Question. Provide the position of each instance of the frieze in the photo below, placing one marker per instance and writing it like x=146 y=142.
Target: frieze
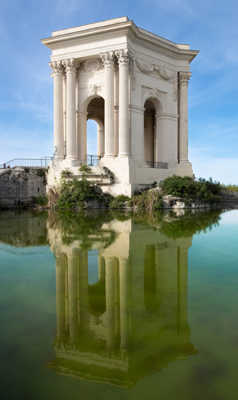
x=92 y=65
x=153 y=69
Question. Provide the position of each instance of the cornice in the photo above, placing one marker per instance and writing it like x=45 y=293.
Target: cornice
x=129 y=27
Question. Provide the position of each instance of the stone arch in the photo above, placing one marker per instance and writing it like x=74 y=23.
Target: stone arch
x=152 y=109
x=93 y=109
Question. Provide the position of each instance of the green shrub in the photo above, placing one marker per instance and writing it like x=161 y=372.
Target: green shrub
x=74 y=193
x=190 y=189
x=230 y=188
x=148 y=201
x=40 y=172
x=85 y=169
x=66 y=174
x=119 y=202
x=40 y=200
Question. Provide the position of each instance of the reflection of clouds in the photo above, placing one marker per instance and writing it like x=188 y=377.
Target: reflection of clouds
x=230 y=217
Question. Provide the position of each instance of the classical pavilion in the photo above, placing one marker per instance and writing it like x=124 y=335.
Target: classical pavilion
x=134 y=84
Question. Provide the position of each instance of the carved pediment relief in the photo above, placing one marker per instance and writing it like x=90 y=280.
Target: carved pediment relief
x=153 y=69
x=94 y=89
x=92 y=65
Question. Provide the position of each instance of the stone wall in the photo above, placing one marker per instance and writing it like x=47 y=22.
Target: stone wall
x=19 y=185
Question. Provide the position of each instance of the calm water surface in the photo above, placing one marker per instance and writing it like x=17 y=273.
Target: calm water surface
x=110 y=307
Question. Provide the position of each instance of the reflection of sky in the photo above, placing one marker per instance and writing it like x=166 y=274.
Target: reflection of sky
x=28 y=326
x=92 y=266
x=230 y=217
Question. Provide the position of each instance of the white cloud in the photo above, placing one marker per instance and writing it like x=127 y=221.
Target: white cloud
x=206 y=165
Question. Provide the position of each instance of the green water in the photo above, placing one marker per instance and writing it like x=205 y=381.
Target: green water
x=114 y=307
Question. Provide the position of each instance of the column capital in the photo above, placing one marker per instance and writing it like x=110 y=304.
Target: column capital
x=123 y=56
x=184 y=77
x=57 y=67
x=108 y=59
x=70 y=65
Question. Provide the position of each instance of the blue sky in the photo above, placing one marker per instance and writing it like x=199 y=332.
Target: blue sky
x=210 y=26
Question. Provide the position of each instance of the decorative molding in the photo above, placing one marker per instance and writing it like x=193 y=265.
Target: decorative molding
x=184 y=77
x=123 y=56
x=108 y=59
x=153 y=69
x=152 y=92
x=57 y=67
x=136 y=109
x=94 y=89
x=167 y=116
x=175 y=88
x=70 y=65
x=92 y=65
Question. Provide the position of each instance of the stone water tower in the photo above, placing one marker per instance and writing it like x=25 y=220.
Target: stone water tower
x=134 y=84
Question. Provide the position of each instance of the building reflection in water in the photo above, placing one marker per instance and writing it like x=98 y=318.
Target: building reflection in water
x=132 y=321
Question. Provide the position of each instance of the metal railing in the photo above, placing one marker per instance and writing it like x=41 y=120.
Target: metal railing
x=92 y=160
x=157 y=164
x=27 y=163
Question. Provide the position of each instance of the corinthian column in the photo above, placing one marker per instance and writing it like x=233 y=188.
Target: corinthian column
x=110 y=301
x=71 y=143
x=57 y=74
x=124 y=138
x=100 y=138
x=183 y=115
x=60 y=296
x=72 y=287
x=108 y=61
x=124 y=285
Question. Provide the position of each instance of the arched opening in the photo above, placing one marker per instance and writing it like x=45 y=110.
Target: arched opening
x=96 y=283
x=149 y=132
x=92 y=130
x=95 y=130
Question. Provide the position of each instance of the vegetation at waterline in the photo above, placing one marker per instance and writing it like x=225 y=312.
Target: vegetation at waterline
x=83 y=226
x=40 y=200
x=189 y=224
x=120 y=202
x=231 y=188
x=191 y=189
x=147 y=201
x=75 y=195
x=178 y=226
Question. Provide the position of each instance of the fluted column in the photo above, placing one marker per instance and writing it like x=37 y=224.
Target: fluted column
x=108 y=60
x=101 y=268
x=156 y=139
x=110 y=300
x=183 y=288
x=71 y=143
x=83 y=291
x=57 y=74
x=183 y=115
x=60 y=296
x=72 y=285
x=82 y=137
x=124 y=298
x=124 y=136
x=100 y=137
x=116 y=109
